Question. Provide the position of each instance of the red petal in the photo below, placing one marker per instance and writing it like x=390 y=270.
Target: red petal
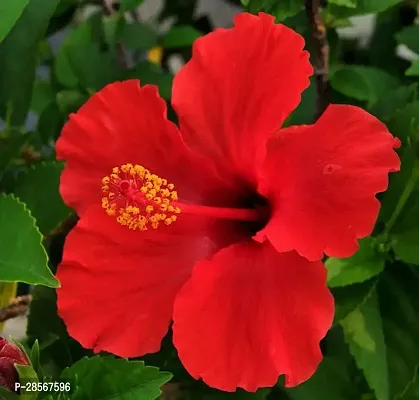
x=118 y=286
x=238 y=88
x=251 y=314
x=322 y=180
x=122 y=123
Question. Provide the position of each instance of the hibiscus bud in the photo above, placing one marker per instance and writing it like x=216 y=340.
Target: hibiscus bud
x=10 y=354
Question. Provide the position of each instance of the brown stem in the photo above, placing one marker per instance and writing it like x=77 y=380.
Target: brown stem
x=122 y=56
x=17 y=306
x=320 y=54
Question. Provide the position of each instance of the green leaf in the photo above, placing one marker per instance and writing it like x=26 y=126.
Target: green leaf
x=363 y=331
x=119 y=378
x=362 y=7
x=413 y=70
x=42 y=96
x=10 y=147
x=362 y=83
x=34 y=356
x=38 y=184
x=393 y=101
x=26 y=375
x=334 y=379
x=405 y=125
x=344 y=3
x=10 y=11
x=409 y=36
x=365 y=264
x=22 y=256
x=80 y=54
x=128 y=5
x=6 y=394
x=180 y=36
x=147 y=72
x=399 y=305
x=50 y=123
x=280 y=9
x=349 y=298
x=138 y=36
x=18 y=53
x=406 y=245
x=69 y=101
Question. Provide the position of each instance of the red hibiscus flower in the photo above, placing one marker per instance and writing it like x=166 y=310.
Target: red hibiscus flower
x=219 y=225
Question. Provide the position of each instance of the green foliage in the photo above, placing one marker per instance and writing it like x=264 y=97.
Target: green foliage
x=22 y=256
x=38 y=184
x=9 y=14
x=363 y=330
x=409 y=37
x=362 y=83
x=18 y=60
x=180 y=36
x=119 y=378
x=280 y=9
x=364 y=265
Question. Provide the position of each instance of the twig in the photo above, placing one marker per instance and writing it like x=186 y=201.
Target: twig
x=122 y=55
x=17 y=306
x=321 y=54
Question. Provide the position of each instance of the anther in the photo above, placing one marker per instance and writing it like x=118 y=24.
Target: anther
x=138 y=199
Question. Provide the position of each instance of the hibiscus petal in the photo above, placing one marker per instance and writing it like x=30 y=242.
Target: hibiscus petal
x=122 y=123
x=238 y=88
x=251 y=314
x=118 y=285
x=322 y=180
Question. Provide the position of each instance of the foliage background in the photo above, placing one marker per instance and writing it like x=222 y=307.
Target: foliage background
x=372 y=352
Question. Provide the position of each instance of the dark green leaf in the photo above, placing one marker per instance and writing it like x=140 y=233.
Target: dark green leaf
x=50 y=123
x=10 y=11
x=119 y=379
x=127 y=5
x=365 y=264
x=18 y=54
x=10 y=147
x=22 y=256
x=413 y=70
x=362 y=83
x=406 y=245
x=180 y=36
x=147 y=72
x=38 y=184
x=348 y=298
x=42 y=96
x=69 y=101
x=362 y=7
x=334 y=378
x=399 y=305
x=138 y=36
x=280 y=9
x=409 y=36
x=393 y=101
x=6 y=394
x=363 y=330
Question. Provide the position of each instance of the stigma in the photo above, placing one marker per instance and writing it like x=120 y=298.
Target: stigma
x=138 y=199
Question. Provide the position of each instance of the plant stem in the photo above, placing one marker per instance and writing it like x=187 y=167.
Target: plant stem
x=320 y=54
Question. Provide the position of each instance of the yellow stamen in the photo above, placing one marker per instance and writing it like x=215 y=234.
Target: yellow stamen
x=138 y=199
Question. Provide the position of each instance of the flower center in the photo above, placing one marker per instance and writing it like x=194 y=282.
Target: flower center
x=142 y=200
x=139 y=199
